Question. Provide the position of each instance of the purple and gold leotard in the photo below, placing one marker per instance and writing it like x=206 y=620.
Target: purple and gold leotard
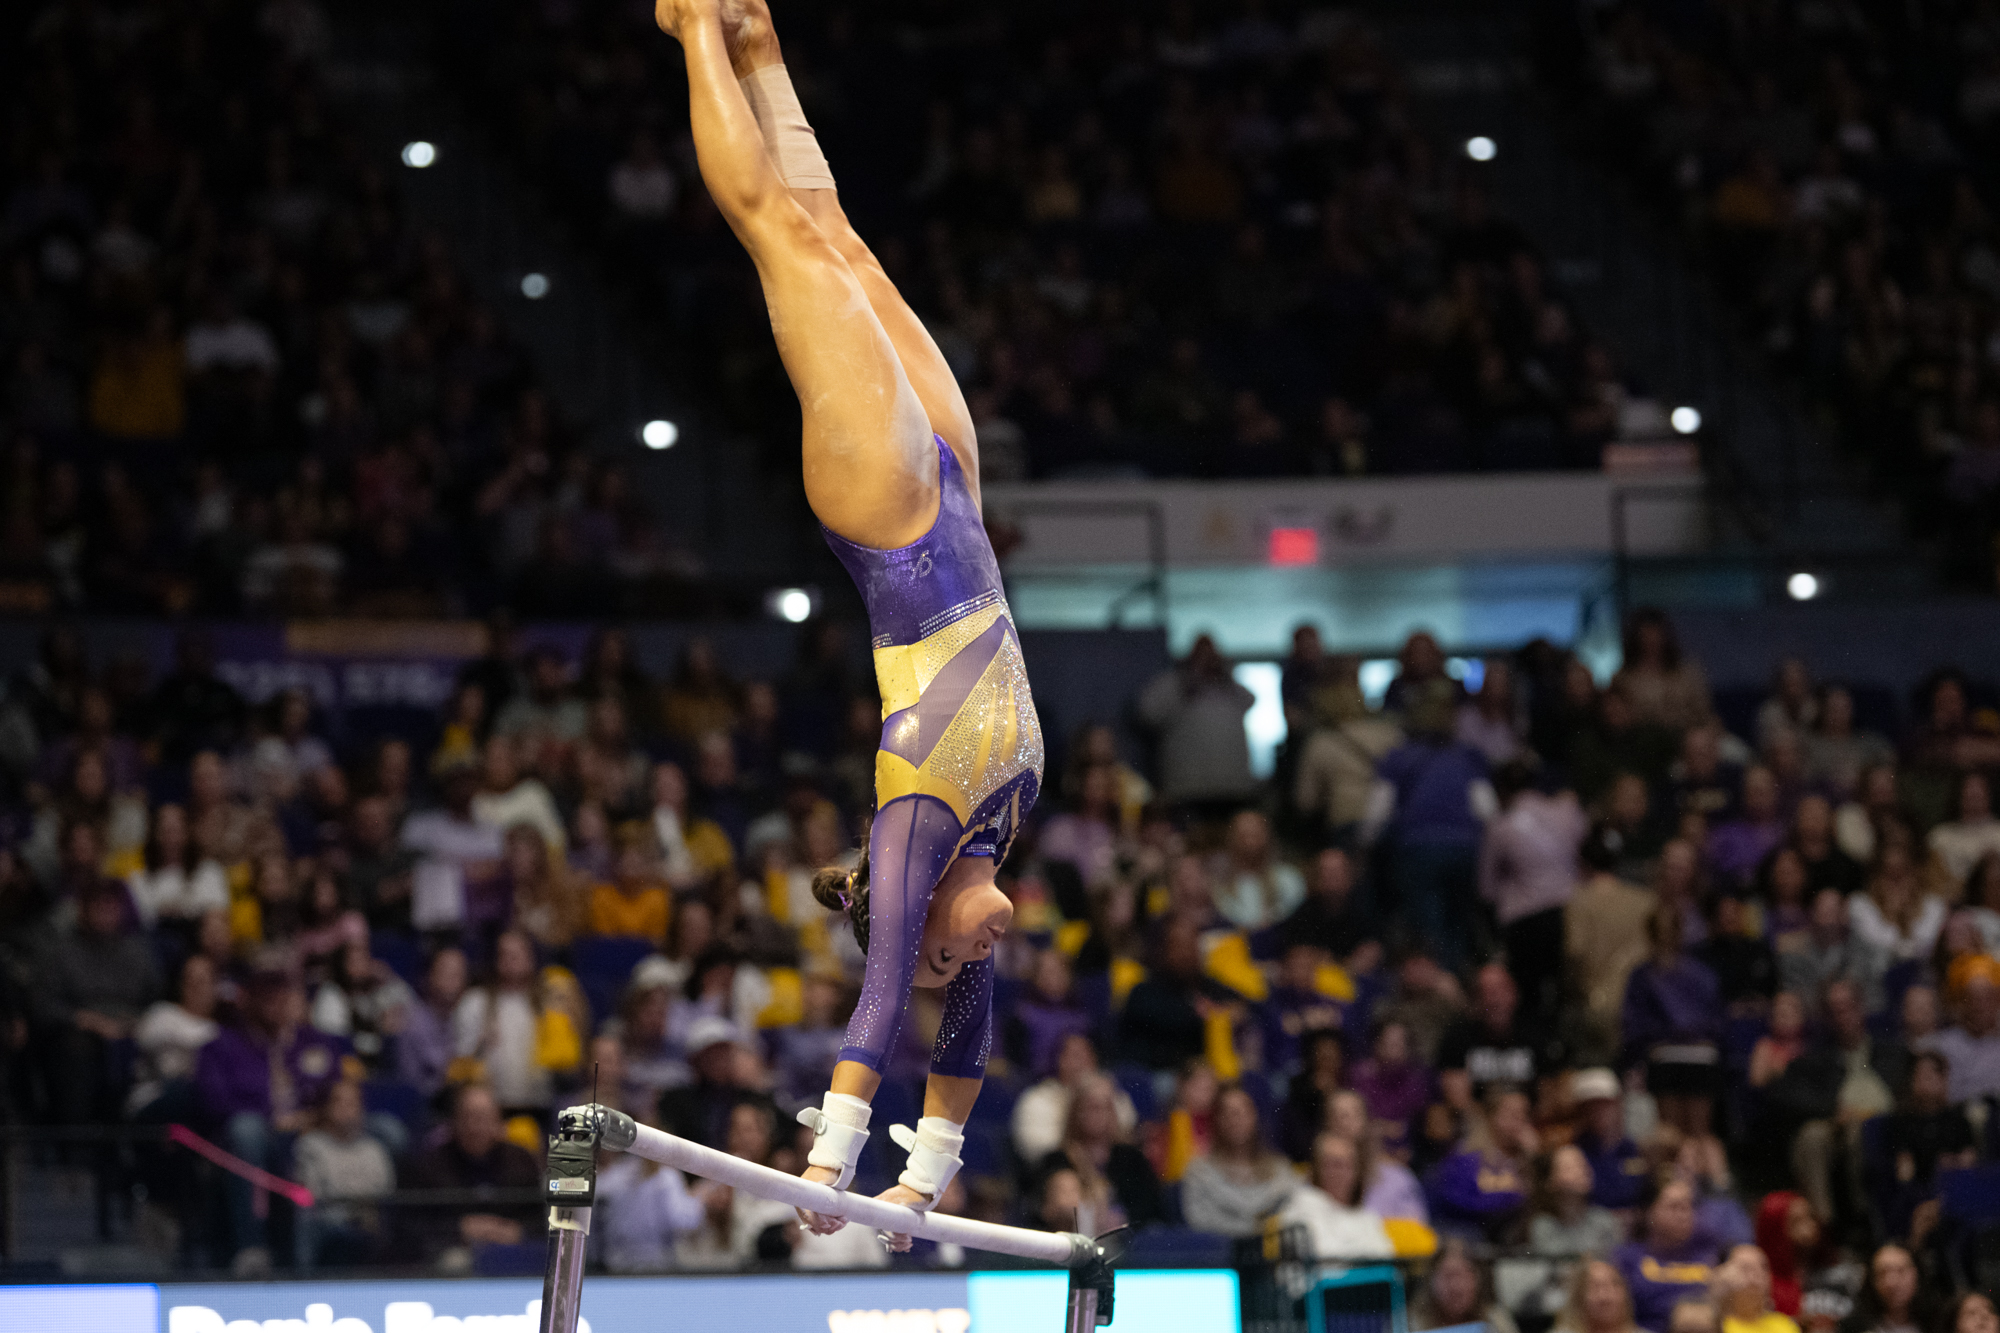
x=959 y=763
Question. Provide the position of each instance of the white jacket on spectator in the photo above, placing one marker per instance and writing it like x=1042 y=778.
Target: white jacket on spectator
x=1204 y=751
x=1338 y=1232
x=1041 y=1112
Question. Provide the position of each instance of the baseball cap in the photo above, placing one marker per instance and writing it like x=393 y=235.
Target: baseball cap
x=711 y=1031
x=1592 y=1085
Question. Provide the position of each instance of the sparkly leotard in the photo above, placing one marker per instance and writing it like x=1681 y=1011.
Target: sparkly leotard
x=960 y=760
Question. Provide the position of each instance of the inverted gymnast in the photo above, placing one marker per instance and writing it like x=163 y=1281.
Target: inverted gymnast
x=892 y=473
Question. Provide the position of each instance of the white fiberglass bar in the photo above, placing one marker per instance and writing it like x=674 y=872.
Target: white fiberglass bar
x=1061 y=1248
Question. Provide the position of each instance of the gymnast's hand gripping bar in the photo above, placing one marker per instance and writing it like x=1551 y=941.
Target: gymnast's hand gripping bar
x=581 y=1130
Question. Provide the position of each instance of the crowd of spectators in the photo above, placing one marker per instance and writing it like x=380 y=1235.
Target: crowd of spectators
x=1505 y=960
x=1188 y=239
x=234 y=377
x=1828 y=159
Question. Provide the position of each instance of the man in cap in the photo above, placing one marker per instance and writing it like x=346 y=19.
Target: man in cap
x=258 y=1083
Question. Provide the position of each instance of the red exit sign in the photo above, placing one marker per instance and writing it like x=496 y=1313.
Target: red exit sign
x=1294 y=546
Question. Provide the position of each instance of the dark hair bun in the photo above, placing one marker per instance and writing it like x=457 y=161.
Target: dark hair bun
x=840 y=890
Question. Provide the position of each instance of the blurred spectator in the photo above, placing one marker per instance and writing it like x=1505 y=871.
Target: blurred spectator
x=1973 y=1046
x=1433 y=798
x=456 y=878
x=1197 y=709
x=1896 y=918
x=1972 y=832
x=1458 y=1290
x=1564 y=1221
x=1672 y=1023
x=1229 y=1189
x=1604 y=935
x=734 y=1234
x=169 y=1038
x=428 y=1042
x=1317 y=1079
x=1498 y=1044
x=1046 y=1016
x=647 y=1208
x=1116 y=1182
x=1166 y=1016
x=1926 y=1134
x=1618 y=1169
x=1599 y=1301
x=1666 y=1262
x=1837 y=753
x=636 y=903
x=1826 y=1093
x=1480 y=1191
x=1393 y=1083
x=1791 y=706
x=1892 y=1296
x=178 y=883
x=1490 y=722
x=1331 y=1207
x=547 y=902
x=1743 y=1294
x=1828 y=951
x=259 y=1082
x=1389 y=1189
x=518 y=1031
x=1041 y=1112
x=92 y=985
x=476 y=1156
x=1527 y=871
x=1255 y=888
x=1331 y=918
x=1665 y=688
x=725 y=1075
x=1736 y=847
x=507 y=797
x=346 y=1170
x=1336 y=769
x=363 y=1000
x=1793 y=1240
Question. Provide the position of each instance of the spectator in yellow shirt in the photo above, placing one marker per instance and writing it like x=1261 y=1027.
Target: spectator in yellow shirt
x=1743 y=1293
x=138 y=390
x=636 y=902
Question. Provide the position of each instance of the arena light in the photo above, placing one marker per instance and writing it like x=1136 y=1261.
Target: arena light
x=535 y=286
x=1481 y=149
x=419 y=153
x=792 y=605
x=659 y=434
x=1686 y=420
x=1802 y=586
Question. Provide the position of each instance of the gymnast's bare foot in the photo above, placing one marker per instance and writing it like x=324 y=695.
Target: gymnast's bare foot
x=747 y=33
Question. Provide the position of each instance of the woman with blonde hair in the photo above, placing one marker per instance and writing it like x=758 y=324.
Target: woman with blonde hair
x=1599 y=1301
x=1896 y=916
x=1116 y=1180
x=548 y=903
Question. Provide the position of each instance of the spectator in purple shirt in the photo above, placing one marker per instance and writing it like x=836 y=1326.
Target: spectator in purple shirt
x=1393 y=1082
x=1672 y=1023
x=258 y=1082
x=1436 y=794
x=1046 y=1015
x=1738 y=846
x=426 y=1046
x=1480 y=1192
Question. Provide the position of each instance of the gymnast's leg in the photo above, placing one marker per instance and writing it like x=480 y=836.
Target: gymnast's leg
x=870 y=469
x=795 y=150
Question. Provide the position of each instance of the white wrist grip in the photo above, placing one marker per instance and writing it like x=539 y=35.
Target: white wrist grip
x=840 y=1131
x=935 y=1146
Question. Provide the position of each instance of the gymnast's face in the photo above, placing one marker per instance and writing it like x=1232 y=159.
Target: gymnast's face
x=968 y=916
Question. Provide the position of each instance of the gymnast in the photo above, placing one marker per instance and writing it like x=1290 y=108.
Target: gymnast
x=892 y=474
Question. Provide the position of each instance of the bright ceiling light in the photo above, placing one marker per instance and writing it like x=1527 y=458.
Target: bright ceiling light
x=659 y=434
x=419 y=153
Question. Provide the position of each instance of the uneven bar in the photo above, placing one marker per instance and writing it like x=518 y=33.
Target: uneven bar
x=621 y=1133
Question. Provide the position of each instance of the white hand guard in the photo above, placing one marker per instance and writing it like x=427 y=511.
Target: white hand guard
x=935 y=1147
x=840 y=1131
